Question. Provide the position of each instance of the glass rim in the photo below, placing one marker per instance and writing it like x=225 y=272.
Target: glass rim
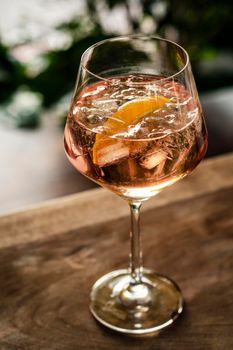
x=135 y=36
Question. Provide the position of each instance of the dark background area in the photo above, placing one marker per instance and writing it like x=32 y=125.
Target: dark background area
x=39 y=58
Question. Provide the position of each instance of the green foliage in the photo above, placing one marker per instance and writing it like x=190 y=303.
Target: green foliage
x=12 y=73
x=203 y=27
x=59 y=77
x=202 y=24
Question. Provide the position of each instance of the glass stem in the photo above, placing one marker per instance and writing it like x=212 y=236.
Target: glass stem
x=136 y=254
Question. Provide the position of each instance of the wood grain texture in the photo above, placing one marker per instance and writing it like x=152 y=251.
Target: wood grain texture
x=48 y=265
x=98 y=205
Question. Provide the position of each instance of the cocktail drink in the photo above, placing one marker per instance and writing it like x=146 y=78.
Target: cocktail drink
x=131 y=141
x=135 y=126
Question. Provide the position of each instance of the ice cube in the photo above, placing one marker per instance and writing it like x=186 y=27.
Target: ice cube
x=181 y=158
x=159 y=169
x=152 y=159
x=112 y=153
x=106 y=104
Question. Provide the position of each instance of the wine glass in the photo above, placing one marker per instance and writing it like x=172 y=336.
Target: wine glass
x=135 y=126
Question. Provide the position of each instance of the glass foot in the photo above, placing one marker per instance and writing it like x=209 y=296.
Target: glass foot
x=135 y=309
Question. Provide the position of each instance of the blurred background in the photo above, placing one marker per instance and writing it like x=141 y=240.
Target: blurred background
x=41 y=42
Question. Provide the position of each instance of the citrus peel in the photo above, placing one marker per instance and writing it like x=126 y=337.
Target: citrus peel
x=125 y=116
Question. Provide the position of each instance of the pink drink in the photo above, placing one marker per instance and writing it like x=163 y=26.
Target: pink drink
x=154 y=151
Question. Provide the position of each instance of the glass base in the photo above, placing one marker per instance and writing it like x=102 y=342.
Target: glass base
x=135 y=309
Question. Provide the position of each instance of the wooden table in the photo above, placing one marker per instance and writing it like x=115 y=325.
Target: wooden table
x=51 y=255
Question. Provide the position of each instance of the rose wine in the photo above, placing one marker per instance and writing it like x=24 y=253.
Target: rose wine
x=135 y=134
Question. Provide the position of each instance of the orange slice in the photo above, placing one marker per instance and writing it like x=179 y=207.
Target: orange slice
x=107 y=150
